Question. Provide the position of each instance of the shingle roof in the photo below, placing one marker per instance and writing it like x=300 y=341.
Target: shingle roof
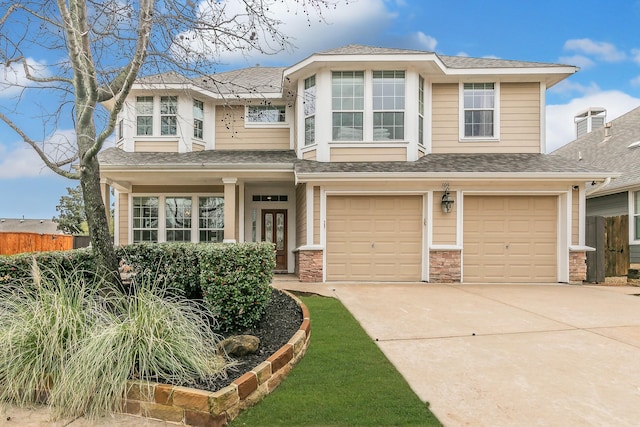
x=463 y=62
x=459 y=163
x=357 y=49
x=40 y=226
x=208 y=158
x=245 y=80
x=432 y=163
x=611 y=153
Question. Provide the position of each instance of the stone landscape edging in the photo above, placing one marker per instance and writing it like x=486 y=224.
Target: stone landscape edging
x=199 y=408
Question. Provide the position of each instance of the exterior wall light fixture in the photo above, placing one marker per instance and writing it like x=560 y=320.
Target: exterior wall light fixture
x=447 y=200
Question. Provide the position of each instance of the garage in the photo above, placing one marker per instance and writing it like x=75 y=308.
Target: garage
x=374 y=238
x=510 y=239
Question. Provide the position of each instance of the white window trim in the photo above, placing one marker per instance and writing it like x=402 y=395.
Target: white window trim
x=496 y=114
x=162 y=230
x=632 y=217
x=267 y=125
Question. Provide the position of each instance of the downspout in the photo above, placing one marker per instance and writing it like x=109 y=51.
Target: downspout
x=599 y=187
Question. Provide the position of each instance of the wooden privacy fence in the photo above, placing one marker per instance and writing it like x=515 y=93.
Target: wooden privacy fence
x=610 y=238
x=15 y=243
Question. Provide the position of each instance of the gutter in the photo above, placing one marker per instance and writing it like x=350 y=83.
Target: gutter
x=599 y=187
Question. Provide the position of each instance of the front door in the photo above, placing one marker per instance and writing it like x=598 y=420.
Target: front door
x=274 y=230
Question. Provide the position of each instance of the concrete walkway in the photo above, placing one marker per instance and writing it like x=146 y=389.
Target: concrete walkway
x=508 y=355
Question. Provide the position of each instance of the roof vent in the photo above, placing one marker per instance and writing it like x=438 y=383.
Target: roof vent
x=634 y=144
x=589 y=120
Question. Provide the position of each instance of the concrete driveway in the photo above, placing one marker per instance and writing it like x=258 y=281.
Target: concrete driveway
x=509 y=355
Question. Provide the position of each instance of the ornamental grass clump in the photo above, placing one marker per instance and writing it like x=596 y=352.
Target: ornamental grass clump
x=64 y=336
x=39 y=322
x=153 y=336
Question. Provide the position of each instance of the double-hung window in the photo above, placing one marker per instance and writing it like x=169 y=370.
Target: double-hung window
x=177 y=211
x=198 y=119
x=144 y=115
x=266 y=114
x=310 y=111
x=211 y=218
x=479 y=112
x=145 y=219
x=168 y=115
x=347 y=94
x=388 y=105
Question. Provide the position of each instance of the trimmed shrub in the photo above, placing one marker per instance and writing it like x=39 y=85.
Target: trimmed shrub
x=235 y=282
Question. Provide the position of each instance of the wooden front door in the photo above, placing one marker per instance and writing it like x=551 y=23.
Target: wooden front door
x=274 y=230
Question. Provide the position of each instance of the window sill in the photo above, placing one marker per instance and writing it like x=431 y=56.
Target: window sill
x=279 y=125
x=472 y=140
x=386 y=143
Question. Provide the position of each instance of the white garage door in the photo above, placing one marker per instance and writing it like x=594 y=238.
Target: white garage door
x=510 y=239
x=374 y=238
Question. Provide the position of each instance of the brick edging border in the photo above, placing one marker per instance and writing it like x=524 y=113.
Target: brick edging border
x=198 y=408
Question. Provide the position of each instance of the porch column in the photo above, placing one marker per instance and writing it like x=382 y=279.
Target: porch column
x=229 y=209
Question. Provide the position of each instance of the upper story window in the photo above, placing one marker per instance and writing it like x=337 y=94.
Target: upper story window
x=310 y=110
x=198 y=119
x=168 y=115
x=266 y=114
x=388 y=105
x=120 y=133
x=144 y=115
x=480 y=110
x=347 y=89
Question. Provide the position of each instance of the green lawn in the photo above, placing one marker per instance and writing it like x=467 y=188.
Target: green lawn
x=343 y=380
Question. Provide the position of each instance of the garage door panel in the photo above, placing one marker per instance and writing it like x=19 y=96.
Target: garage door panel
x=374 y=238
x=510 y=239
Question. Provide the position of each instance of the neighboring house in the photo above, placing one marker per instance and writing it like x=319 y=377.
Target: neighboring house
x=611 y=146
x=39 y=226
x=359 y=164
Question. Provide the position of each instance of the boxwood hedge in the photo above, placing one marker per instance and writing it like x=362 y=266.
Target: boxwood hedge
x=232 y=279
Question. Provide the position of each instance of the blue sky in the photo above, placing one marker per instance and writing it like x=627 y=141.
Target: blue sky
x=602 y=38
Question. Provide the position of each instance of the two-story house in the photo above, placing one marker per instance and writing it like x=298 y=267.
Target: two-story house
x=359 y=164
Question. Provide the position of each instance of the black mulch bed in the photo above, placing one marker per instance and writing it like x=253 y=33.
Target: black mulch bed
x=281 y=321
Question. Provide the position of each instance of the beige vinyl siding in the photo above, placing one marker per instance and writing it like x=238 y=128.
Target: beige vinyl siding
x=520 y=117
x=444 y=224
x=368 y=154
x=519 y=121
x=197 y=146
x=316 y=215
x=231 y=133
x=123 y=218
x=156 y=146
x=445 y=130
x=301 y=215
x=309 y=155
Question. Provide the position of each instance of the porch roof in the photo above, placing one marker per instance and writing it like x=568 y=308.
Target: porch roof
x=518 y=166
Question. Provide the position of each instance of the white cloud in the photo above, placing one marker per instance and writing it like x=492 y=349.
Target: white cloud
x=13 y=78
x=636 y=55
x=19 y=160
x=567 y=87
x=426 y=42
x=635 y=82
x=577 y=60
x=601 y=50
x=560 y=124
x=353 y=22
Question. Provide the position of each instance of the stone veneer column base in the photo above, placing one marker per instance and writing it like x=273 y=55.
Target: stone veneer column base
x=309 y=265
x=577 y=267
x=444 y=266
